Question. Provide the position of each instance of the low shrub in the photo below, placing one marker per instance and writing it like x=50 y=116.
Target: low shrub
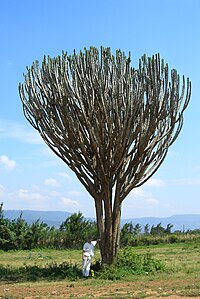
x=127 y=262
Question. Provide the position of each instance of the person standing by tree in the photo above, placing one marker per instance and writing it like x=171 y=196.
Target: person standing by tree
x=87 y=254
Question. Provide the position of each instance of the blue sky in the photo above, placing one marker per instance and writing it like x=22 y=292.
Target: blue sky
x=31 y=176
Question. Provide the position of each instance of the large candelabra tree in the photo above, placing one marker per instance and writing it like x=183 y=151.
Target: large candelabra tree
x=110 y=123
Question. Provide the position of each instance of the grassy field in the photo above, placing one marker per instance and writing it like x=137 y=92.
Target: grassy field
x=181 y=278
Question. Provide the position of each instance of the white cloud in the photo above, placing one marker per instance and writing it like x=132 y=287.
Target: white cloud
x=69 y=202
x=155 y=183
x=139 y=196
x=7 y=163
x=29 y=195
x=38 y=197
x=15 y=130
x=140 y=203
x=51 y=182
x=162 y=183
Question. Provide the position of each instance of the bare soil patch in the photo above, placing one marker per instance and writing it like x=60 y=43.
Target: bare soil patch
x=172 y=289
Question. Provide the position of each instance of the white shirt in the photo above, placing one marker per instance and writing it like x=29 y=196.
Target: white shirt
x=88 y=248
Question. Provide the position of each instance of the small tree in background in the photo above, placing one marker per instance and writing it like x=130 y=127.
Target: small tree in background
x=110 y=123
x=77 y=230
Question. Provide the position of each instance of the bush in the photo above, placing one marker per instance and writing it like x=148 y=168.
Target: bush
x=173 y=239
x=127 y=262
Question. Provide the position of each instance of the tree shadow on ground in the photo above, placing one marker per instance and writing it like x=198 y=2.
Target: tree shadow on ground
x=52 y=271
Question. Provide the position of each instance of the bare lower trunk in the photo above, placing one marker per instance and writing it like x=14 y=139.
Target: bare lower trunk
x=108 y=223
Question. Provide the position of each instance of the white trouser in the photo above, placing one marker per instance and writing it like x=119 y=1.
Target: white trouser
x=86 y=266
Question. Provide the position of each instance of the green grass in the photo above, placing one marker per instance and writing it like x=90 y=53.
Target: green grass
x=181 y=276
x=179 y=257
x=182 y=258
x=39 y=257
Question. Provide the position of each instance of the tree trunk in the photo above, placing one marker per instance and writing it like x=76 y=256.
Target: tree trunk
x=108 y=223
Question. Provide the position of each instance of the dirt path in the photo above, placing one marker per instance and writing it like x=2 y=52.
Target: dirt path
x=176 y=289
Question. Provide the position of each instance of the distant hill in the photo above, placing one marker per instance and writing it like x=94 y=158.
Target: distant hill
x=52 y=218
x=55 y=218
x=180 y=222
